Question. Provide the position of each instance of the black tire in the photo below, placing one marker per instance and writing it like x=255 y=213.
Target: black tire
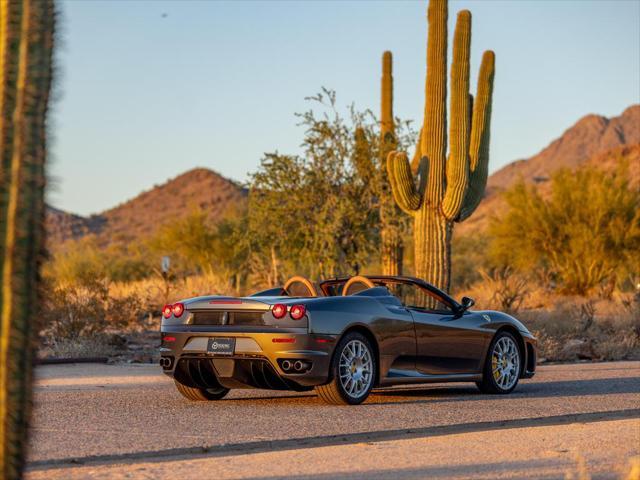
x=200 y=394
x=334 y=392
x=489 y=384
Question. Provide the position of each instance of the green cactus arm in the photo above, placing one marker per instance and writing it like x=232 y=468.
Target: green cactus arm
x=457 y=168
x=402 y=183
x=434 y=138
x=480 y=136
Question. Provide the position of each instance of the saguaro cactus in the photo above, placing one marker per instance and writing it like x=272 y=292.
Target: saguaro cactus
x=448 y=189
x=26 y=42
x=391 y=231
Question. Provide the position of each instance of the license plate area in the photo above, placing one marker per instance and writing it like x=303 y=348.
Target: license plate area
x=221 y=346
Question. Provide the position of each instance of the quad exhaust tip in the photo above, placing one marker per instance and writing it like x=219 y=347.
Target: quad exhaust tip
x=165 y=362
x=286 y=365
x=294 y=366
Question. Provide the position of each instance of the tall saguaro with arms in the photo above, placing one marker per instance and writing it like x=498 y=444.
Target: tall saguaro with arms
x=26 y=45
x=450 y=186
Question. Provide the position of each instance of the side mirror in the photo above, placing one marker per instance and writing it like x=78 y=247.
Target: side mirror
x=467 y=303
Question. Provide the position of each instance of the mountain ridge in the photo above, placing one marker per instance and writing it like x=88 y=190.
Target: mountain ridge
x=137 y=218
x=591 y=138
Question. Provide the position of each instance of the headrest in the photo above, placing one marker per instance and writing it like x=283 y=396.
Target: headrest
x=356 y=284
x=300 y=287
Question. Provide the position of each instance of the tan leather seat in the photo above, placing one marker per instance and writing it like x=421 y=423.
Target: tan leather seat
x=356 y=284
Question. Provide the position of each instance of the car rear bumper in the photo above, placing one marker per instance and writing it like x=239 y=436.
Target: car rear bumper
x=260 y=359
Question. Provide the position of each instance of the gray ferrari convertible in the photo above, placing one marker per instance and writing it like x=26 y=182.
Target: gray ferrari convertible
x=342 y=337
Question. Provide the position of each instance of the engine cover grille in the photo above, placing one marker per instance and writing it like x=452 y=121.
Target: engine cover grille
x=219 y=317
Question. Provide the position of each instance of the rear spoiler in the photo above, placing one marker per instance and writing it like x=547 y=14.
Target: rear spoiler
x=226 y=303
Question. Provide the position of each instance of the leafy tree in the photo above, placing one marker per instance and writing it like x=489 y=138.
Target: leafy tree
x=316 y=213
x=584 y=232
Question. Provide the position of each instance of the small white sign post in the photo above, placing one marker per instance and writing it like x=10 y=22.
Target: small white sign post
x=165 y=263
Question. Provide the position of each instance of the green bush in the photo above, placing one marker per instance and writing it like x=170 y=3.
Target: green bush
x=584 y=233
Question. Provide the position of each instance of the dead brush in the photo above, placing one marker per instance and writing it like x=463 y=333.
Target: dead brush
x=509 y=289
x=72 y=311
x=585 y=316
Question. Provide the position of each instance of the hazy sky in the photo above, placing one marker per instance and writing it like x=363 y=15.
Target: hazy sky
x=148 y=90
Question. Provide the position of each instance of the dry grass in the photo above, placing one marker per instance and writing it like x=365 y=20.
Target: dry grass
x=573 y=328
x=96 y=346
x=156 y=292
x=98 y=319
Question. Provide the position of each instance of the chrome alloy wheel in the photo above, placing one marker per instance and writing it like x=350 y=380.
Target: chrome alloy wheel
x=505 y=363
x=355 y=368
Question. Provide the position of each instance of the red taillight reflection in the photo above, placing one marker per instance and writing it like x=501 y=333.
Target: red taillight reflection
x=166 y=311
x=283 y=340
x=279 y=310
x=178 y=309
x=297 y=312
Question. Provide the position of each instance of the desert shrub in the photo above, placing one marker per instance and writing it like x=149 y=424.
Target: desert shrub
x=509 y=289
x=83 y=260
x=97 y=345
x=71 y=311
x=584 y=233
x=571 y=328
x=499 y=289
x=197 y=245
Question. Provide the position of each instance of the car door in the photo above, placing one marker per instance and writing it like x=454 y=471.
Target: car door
x=446 y=342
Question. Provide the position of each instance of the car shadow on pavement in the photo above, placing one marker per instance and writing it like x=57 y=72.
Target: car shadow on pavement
x=565 y=388
x=434 y=393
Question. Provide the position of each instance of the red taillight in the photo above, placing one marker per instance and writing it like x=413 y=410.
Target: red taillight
x=283 y=340
x=166 y=311
x=279 y=310
x=297 y=312
x=169 y=339
x=178 y=309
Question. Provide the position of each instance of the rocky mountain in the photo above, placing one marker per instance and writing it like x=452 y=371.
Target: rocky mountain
x=592 y=137
x=199 y=188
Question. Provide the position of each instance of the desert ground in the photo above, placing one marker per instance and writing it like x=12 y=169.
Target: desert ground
x=127 y=421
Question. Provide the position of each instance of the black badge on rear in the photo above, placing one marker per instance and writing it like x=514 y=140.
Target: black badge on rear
x=221 y=346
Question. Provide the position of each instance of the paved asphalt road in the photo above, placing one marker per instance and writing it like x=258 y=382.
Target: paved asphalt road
x=89 y=420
